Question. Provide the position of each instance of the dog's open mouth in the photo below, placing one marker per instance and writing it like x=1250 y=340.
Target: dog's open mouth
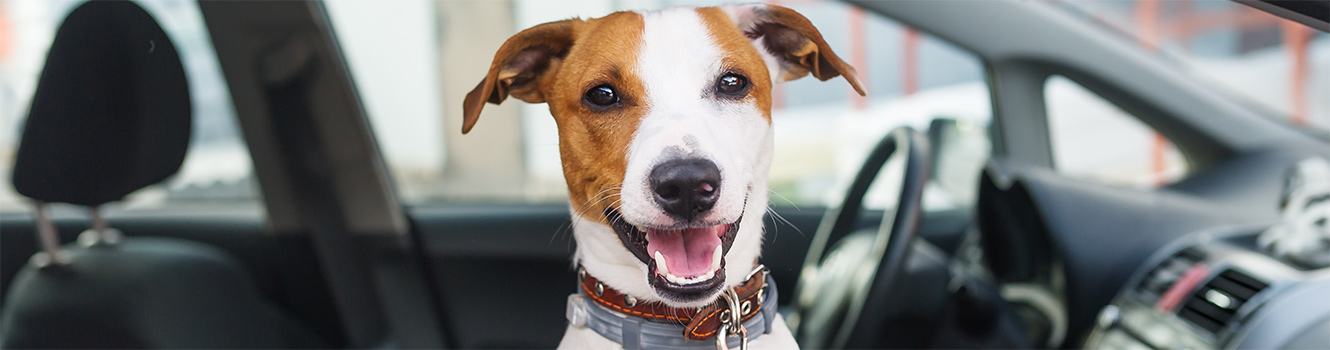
x=683 y=264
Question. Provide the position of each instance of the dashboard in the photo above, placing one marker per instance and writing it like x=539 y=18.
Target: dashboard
x=1218 y=289
x=1225 y=259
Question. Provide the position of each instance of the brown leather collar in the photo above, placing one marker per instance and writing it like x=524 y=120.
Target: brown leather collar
x=700 y=323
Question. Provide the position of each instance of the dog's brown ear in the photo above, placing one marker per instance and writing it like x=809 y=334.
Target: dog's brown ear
x=519 y=66
x=791 y=40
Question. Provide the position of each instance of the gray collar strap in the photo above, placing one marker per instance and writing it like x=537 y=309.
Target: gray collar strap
x=639 y=333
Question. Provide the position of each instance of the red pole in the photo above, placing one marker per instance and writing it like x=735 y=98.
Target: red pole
x=6 y=35
x=1185 y=10
x=858 y=56
x=1296 y=40
x=1147 y=20
x=910 y=63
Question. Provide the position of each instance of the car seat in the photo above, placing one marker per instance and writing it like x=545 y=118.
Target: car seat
x=111 y=115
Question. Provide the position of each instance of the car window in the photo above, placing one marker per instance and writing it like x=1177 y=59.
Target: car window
x=1094 y=139
x=413 y=87
x=217 y=169
x=1276 y=66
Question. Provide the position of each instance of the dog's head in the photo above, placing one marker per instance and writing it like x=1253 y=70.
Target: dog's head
x=665 y=133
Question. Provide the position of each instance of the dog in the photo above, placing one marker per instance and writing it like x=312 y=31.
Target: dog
x=665 y=136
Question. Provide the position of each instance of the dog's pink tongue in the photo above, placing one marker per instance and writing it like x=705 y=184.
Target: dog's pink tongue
x=687 y=252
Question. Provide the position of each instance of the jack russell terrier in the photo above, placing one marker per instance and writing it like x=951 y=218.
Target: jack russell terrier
x=664 y=122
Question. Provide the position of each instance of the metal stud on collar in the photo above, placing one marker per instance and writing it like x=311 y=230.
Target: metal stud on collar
x=600 y=289
x=629 y=301
x=581 y=274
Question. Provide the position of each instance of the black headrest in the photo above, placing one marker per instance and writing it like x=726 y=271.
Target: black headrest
x=111 y=113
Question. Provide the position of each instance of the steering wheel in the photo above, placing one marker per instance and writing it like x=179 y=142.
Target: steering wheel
x=843 y=293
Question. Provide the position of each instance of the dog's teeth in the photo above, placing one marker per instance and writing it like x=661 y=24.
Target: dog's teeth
x=660 y=264
x=715 y=259
x=640 y=228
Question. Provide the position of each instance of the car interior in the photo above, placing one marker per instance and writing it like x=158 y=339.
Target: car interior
x=334 y=259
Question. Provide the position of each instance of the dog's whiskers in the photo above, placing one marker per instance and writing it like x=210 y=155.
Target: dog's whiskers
x=782 y=197
x=597 y=198
x=777 y=216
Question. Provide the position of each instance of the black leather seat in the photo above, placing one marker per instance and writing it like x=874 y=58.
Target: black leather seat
x=111 y=115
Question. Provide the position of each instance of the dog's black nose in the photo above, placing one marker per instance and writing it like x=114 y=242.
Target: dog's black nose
x=686 y=187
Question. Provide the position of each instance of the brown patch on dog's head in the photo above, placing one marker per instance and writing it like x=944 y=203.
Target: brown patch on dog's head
x=743 y=58
x=575 y=56
x=594 y=141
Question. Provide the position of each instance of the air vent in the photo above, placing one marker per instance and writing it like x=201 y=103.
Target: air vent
x=1212 y=306
x=1163 y=276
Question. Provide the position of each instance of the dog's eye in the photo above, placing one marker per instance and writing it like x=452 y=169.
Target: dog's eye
x=731 y=84
x=601 y=95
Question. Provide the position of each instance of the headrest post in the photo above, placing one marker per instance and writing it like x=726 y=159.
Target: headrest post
x=98 y=222
x=49 y=239
x=101 y=234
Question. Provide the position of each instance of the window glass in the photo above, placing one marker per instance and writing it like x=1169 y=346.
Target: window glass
x=217 y=169
x=413 y=87
x=1278 y=66
x=1094 y=139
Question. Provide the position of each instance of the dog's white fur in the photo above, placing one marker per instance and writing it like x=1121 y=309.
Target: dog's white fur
x=678 y=58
